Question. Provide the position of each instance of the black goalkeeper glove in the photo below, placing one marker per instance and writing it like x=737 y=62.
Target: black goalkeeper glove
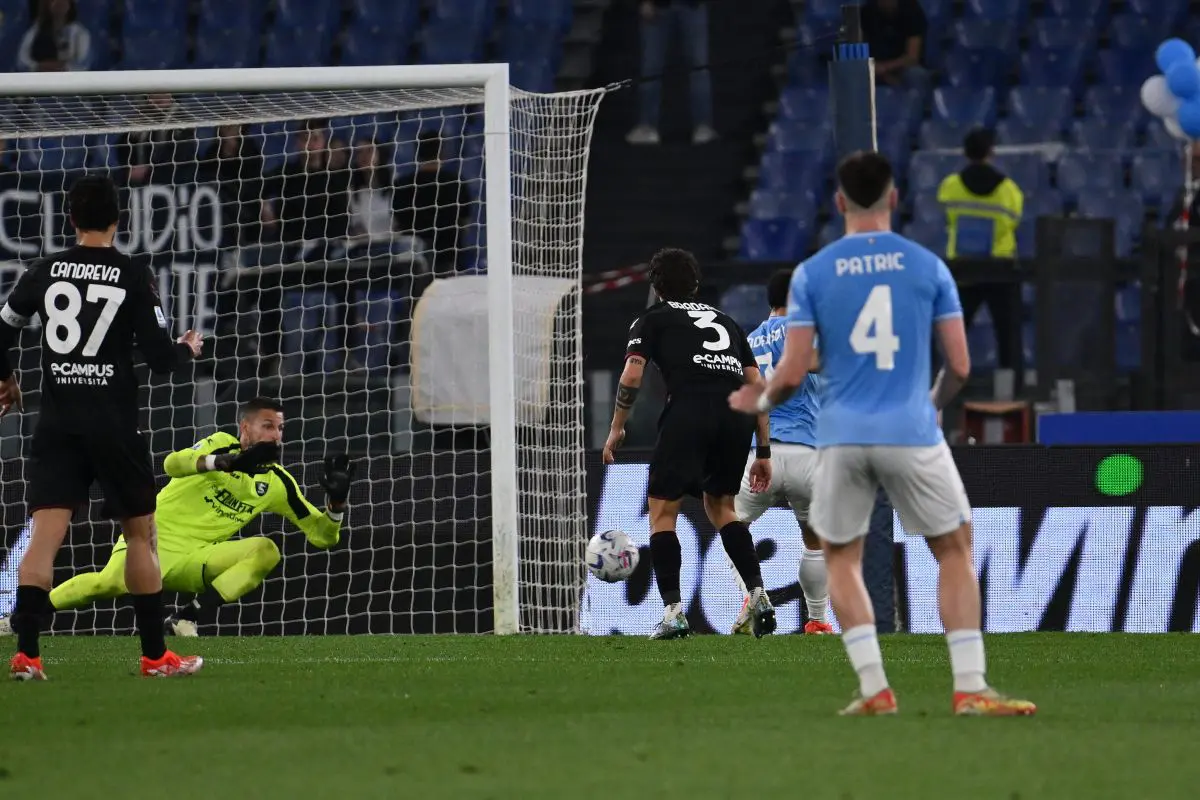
x=339 y=473
x=252 y=461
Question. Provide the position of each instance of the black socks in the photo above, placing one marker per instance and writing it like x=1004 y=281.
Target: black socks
x=201 y=605
x=33 y=605
x=147 y=609
x=739 y=544
x=667 y=557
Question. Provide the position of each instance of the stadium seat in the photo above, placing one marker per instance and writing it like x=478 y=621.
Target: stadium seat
x=1003 y=10
x=308 y=13
x=793 y=172
x=530 y=42
x=805 y=69
x=1052 y=33
x=1041 y=104
x=548 y=13
x=927 y=170
x=1125 y=67
x=931 y=235
x=150 y=49
x=1158 y=137
x=160 y=15
x=234 y=48
x=986 y=34
x=1128 y=302
x=927 y=210
x=1043 y=203
x=52 y=153
x=1056 y=67
x=380 y=312
x=1088 y=10
x=222 y=15
x=1119 y=103
x=1088 y=173
x=1120 y=205
x=1137 y=32
x=471 y=14
x=535 y=74
x=746 y=303
x=830 y=232
x=1028 y=171
x=297 y=47
x=1019 y=131
x=787 y=136
x=941 y=134
x=446 y=44
x=1171 y=11
x=1156 y=173
x=1100 y=134
x=896 y=145
x=364 y=46
x=96 y=16
x=981 y=342
x=807 y=103
x=896 y=108
x=768 y=204
x=965 y=106
x=972 y=68
x=824 y=11
x=775 y=240
x=1129 y=346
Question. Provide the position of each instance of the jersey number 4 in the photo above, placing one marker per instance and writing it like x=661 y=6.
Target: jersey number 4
x=708 y=319
x=873 y=332
x=63 y=330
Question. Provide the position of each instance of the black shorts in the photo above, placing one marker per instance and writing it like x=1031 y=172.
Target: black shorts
x=63 y=464
x=701 y=448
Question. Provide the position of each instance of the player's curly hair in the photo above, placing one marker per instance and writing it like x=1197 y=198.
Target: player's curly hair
x=674 y=274
x=93 y=203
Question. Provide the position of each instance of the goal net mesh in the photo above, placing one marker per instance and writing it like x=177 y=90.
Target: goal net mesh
x=299 y=231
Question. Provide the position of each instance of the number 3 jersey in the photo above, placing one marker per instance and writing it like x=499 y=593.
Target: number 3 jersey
x=873 y=299
x=696 y=347
x=95 y=307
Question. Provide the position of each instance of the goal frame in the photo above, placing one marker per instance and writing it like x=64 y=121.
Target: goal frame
x=494 y=80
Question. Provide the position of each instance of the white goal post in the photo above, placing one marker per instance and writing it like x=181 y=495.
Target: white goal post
x=513 y=464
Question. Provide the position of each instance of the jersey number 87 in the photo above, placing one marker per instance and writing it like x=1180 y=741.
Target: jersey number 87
x=872 y=333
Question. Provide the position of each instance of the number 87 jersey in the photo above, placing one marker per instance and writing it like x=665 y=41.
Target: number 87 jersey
x=874 y=299
x=95 y=307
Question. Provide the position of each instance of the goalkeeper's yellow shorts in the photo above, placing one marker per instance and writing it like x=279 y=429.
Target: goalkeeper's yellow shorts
x=183 y=564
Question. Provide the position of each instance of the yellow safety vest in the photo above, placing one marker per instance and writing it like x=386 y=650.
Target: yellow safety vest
x=981 y=225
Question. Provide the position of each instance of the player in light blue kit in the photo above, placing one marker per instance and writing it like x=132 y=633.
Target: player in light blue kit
x=793 y=454
x=873 y=298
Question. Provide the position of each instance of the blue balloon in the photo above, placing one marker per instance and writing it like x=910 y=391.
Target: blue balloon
x=1183 y=79
x=1173 y=51
x=1189 y=117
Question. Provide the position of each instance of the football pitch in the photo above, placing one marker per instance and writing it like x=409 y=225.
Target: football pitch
x=578 y=717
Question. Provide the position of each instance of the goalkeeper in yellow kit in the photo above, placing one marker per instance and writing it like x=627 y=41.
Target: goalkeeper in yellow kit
x=217 y=487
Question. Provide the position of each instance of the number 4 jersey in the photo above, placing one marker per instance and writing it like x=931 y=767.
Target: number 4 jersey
x=873 y=299
x=95 y=306
x=696 y=347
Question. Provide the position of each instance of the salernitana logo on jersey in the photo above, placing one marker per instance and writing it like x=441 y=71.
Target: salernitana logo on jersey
x=67 y=373
x=260 y=487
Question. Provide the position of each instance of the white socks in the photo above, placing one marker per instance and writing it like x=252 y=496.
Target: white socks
x=967 y=660
x=862 y=646
x=672 y=611
x=814 y=582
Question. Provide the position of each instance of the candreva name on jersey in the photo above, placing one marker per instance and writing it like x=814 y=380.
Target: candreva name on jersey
x=85 y=272
x=869 y=264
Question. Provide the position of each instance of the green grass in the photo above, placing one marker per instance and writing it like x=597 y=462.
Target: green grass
x=576 y=717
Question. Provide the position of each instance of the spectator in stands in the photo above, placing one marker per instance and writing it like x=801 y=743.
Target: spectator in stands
x=372 y=218
x=153 y=153
x=659 y=18
x=895 y=32
x=234 y=162
x=56 y=42
x=983 y=209
x=1190 y=341
x=433 y=204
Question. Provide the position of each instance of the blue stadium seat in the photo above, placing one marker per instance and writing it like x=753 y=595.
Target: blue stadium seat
x=794 y=172
x=472 y=15
x=966 y=106
x=297 y=47
x=767 y=204
x=896 y=145
x=824 y=11
x=941 y=134
x=1129 y=346
x=746 y=303
x=1057 y=67
x=14 y=22
x=1128 y=303
x=807 y=103
x=927 y=210
x=1173 y=11
x=937 y=12
x=1041 y=104
x=222 y=15
x=790 y=136
x=308 y=13
x=1088 y=173
x=95 y=15
x=1135 y=32
x=386 y=14
x=1028 y=170
x=1043 y=203
x=806 y=69
x=364 y=46
x=1117 y=204
x=775 y=240
x=1125 y=67
x=160 y=15
x=986 y=34
x=530 y=42
x=1086 y=10
x=1093 y=133
x=1020 y=131
x=926 y=170
x=1002 y=10
x=533 y=74
x=52 y=153
x=1156 y=173
x=970 y=68
x=1119 y=103
x=981 y=341
x=931 y=235
x=151 y=49
x=1157 y=136
x=234 y=48
x=549 y=13
x=445 y=43
x=896 y=108
x=1053 y=32
x=830 y=232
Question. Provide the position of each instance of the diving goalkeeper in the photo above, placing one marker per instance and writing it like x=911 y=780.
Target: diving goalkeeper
x=217 y=487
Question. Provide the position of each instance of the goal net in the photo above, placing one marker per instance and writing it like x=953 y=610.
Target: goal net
x=395 y=254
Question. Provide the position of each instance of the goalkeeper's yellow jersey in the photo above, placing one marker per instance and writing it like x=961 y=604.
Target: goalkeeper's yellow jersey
x=197 y=509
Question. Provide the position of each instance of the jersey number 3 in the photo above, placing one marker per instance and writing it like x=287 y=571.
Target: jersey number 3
x=63 y=331
x=873 y=329
x=708 y=319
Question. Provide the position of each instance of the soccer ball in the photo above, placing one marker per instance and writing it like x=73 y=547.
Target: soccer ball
x=612 y=556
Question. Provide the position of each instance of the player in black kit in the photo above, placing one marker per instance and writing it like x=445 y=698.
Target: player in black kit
x=96 y=306
x=701 y=448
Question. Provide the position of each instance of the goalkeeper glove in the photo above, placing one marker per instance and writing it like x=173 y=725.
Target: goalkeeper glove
x=251 y=461
x=339 y=472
